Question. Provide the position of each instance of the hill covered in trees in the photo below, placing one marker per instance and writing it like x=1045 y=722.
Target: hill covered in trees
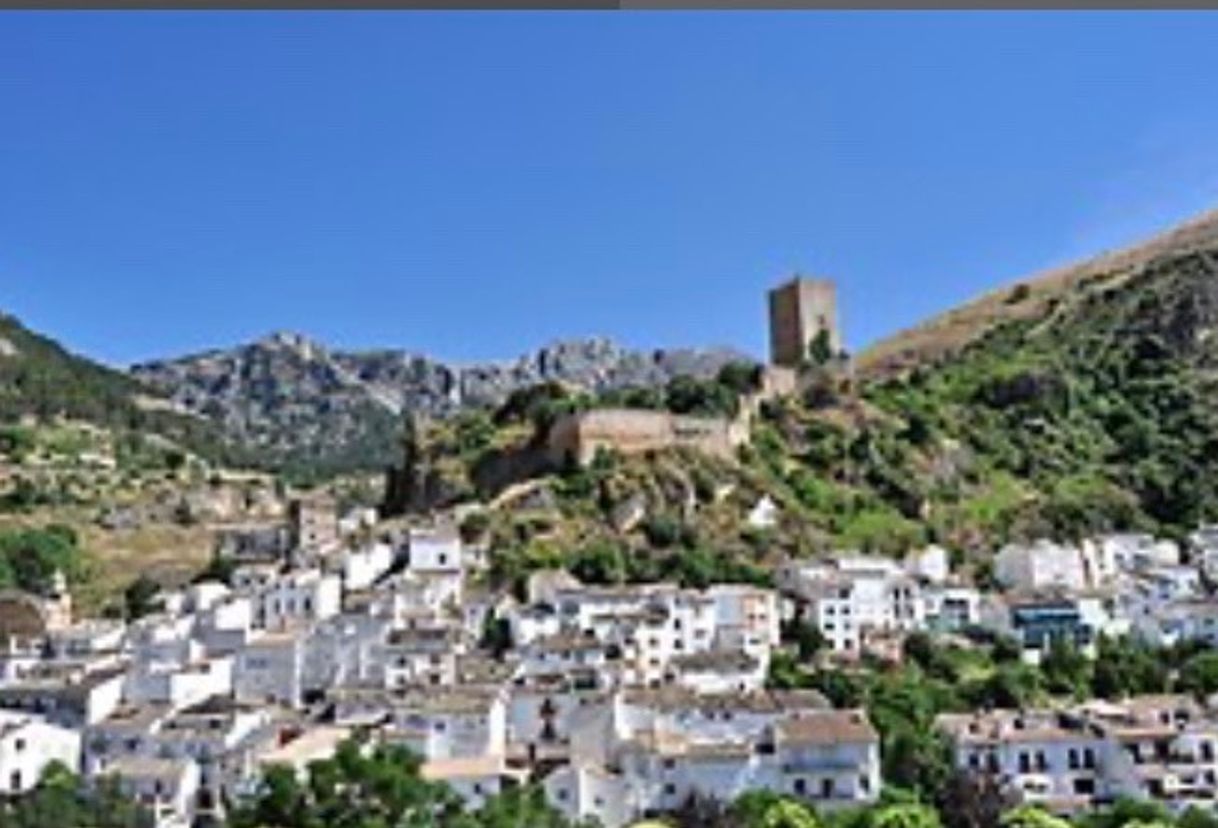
x=41 y=380
x=1095 y=411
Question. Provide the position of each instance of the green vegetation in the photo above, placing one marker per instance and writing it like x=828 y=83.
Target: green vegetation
x=60 y=801
x=903 y=702
x=380 y=786
x=29 y=558
x=44 y=381
x=377 y=786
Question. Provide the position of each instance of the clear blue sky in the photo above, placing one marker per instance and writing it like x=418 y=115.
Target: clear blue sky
x=473 y=185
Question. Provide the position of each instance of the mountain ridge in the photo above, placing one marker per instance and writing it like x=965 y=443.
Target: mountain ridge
x=290 y=395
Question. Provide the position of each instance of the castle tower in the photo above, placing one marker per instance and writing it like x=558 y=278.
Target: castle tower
x=799 y=310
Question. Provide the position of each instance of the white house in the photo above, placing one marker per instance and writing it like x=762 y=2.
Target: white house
x=849 y=597
x=295 y=597
x=28 y=743
x=419 y=656
x=950 y=608
x=1042 y=756
x=1041 y=565
x=1163 y=748
x=168 y=788
x=931 y=565
x=436 y=555
x=450 y=724
x=746 y=618
x=270 y=669
x=179 y=685
x=717 y=671
x=362 y=567
x=649 y=751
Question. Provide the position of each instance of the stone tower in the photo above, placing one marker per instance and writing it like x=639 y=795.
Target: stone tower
x=799 y=310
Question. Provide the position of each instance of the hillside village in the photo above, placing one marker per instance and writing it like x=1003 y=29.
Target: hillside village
x=625 y=699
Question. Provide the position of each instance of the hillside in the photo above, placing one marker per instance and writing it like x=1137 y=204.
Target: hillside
x=943 y=335
x=1089 y=402
x=40 y=379
x=1074 y=401
x=303 y=406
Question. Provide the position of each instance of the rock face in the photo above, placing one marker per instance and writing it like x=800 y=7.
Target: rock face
x=293 y=397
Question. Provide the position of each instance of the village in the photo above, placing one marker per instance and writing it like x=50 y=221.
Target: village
x=620 y=701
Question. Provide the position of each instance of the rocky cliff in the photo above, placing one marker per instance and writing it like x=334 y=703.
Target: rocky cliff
x=303 y=403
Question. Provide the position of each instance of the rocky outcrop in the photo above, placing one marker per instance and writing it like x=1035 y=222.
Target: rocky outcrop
x=295 y=398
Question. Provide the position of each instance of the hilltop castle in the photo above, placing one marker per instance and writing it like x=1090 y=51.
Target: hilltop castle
x=799 y=311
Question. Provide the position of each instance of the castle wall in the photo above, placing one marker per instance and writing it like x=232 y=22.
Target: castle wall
x=578 y=437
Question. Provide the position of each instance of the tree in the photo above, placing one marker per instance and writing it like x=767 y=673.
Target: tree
x=61 y=800
x=1199 y=675
x=515 y=808
x=750 y=808
x=35 y=555
x=1030 y=816
x=1126 y=812
x=1065 y=669
x=905 y=815
x=974 y=800
x=1126 y=667
x=496 y=635
x=820 y=348
x=806 y=636
x=139 y=598
x=1194 y=817
x=740 y=377
x=788 y=814
x=366 y=786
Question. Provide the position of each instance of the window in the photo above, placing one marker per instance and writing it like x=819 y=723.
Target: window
x=1072 y=759
x=1088 y=758
x=800 y=787
x=14 y=781
x=1025 y=763
x=20 y=745
x=1084 y=786
x=670 y=789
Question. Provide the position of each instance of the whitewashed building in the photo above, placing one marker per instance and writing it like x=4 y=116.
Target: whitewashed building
x=647 y=752
x=28 y=744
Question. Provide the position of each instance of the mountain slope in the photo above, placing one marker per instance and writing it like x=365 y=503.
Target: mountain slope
x=1097 y=412
x=299 y=403
x=944 y=334
x=39 y=378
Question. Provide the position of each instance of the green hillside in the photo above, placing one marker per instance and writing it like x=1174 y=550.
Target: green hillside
x=1096 y=413
x=40 y=379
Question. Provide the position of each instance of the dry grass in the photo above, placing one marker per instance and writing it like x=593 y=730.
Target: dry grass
x=169 y=554
x=945 y=334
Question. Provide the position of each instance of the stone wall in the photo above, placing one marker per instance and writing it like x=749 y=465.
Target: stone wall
x=578 y=437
